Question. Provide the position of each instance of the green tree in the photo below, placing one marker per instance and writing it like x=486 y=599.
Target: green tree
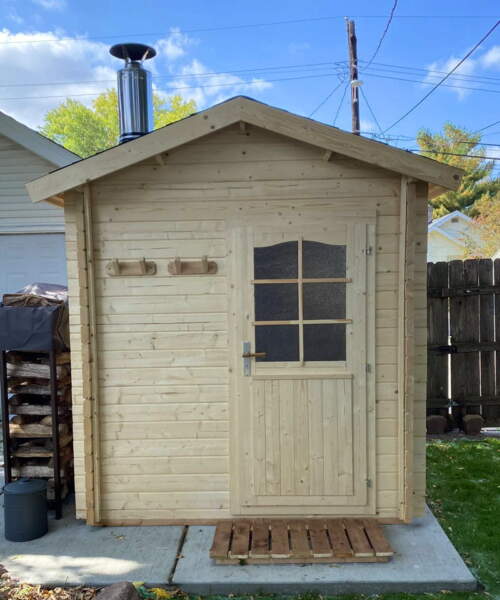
x=476 y=184
x=85 y=130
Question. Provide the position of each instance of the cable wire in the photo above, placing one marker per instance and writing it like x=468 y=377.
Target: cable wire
x=287 y=68
x=387 y=67
x=340 y=103
x=326 y=98
x=175 y=89
x=371 y=111
x=454 y=154
x=384 y=33
x=434 y=88
x=244 y=26
x=423 y=82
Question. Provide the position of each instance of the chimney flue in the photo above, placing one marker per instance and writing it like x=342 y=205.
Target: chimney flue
x=135 y=90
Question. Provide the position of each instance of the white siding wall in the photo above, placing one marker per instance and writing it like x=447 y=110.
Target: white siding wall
x=18 y=166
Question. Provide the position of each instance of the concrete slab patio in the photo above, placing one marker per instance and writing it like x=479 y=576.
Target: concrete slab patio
x=73 y=553
x=425 y=561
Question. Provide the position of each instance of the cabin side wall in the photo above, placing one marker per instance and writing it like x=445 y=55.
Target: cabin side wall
x=162 y=341
x=17 y=213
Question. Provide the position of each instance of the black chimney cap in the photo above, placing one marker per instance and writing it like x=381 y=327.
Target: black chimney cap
x=132 y=51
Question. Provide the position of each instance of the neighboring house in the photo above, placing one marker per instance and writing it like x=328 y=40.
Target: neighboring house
x=31 y=235
x=448 y=235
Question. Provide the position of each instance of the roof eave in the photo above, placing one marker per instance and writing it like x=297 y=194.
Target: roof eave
x=254 y=113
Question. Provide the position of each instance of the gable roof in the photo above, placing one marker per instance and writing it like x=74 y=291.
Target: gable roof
x=247 y=110
x=437 y=226
x=456 y=214
x=36 y=142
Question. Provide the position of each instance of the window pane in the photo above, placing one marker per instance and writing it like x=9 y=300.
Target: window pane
x=276 y=302
x=280 y=342
x=323 y=260
x=324 y=300
x=276 y=262
x=324 y=342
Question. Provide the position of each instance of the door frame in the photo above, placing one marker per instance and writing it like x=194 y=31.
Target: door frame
x=237 y=243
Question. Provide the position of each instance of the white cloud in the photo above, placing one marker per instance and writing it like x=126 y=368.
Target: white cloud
x=174 y=46
x=39 y=70
x=51 y=4
x=444 y=66
x=491 y=59
x=26 y=59
x=197 y=82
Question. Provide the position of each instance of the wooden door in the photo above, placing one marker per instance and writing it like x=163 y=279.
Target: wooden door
x=303 y=438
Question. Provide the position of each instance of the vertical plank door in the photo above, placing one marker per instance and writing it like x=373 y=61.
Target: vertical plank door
x=303 y=438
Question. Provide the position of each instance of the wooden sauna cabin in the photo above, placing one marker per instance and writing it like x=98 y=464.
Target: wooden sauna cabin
x=248 y=320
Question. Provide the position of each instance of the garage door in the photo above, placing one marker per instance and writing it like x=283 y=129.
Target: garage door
x=29 y=258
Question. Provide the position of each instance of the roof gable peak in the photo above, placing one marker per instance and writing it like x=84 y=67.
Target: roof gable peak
x=247 y=110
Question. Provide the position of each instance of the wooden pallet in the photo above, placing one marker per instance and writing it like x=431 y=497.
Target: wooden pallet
x=261 y=541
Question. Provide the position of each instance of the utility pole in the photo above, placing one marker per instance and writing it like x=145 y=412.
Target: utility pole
x=353 y=72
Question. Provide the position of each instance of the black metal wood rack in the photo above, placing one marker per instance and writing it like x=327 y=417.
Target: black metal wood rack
x=8 y=445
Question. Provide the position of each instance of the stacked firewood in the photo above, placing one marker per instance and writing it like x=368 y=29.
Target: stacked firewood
x=30 y=417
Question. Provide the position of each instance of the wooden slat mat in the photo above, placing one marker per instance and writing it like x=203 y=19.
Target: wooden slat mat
x=261 y=541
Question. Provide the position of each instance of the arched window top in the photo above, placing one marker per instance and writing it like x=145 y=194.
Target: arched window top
x=323 y=260
x=279 y=261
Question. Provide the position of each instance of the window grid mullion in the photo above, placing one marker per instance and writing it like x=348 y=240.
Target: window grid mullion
x=301 y=300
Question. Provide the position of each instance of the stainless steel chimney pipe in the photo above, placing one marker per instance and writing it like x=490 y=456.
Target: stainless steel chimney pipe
x=135 y=90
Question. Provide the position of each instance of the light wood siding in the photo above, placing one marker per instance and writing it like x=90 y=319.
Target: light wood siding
x=420 y=354
x=18 y=166
x=162 y=340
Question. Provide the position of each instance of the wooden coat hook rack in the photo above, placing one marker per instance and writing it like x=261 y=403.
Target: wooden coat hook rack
x=192 y=267
x=130 y=268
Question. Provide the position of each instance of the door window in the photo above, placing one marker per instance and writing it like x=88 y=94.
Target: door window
x=300 y=301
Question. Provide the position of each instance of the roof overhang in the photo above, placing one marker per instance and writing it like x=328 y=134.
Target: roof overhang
x=246 y=110
x=36 y=142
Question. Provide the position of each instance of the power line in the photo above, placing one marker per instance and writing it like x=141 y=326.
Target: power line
x=340 y=103
x=384 y=33
x=326 y=98
x=176 y=89
x=423 y=82
x=454 y=154
x=487 y=126
x=400 y=70
x=186 y=75
x=371 y=110
x=244 y=26
x=377 y=66
x=434 y=88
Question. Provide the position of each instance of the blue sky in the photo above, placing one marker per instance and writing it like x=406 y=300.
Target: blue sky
x=61 y=46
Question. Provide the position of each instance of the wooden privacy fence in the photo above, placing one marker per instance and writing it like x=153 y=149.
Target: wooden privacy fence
x=464 y=339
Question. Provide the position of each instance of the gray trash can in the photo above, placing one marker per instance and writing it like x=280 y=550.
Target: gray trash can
x=25 y=508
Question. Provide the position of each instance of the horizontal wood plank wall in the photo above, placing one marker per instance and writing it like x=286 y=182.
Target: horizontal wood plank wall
x=162 y=340
x=17 y=213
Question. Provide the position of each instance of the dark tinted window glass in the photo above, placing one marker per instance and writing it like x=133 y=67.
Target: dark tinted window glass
x=324 y=342
x=323 y=260
x=324 y=300
x=276 y=262
x=280 y=342
x=276 y=302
